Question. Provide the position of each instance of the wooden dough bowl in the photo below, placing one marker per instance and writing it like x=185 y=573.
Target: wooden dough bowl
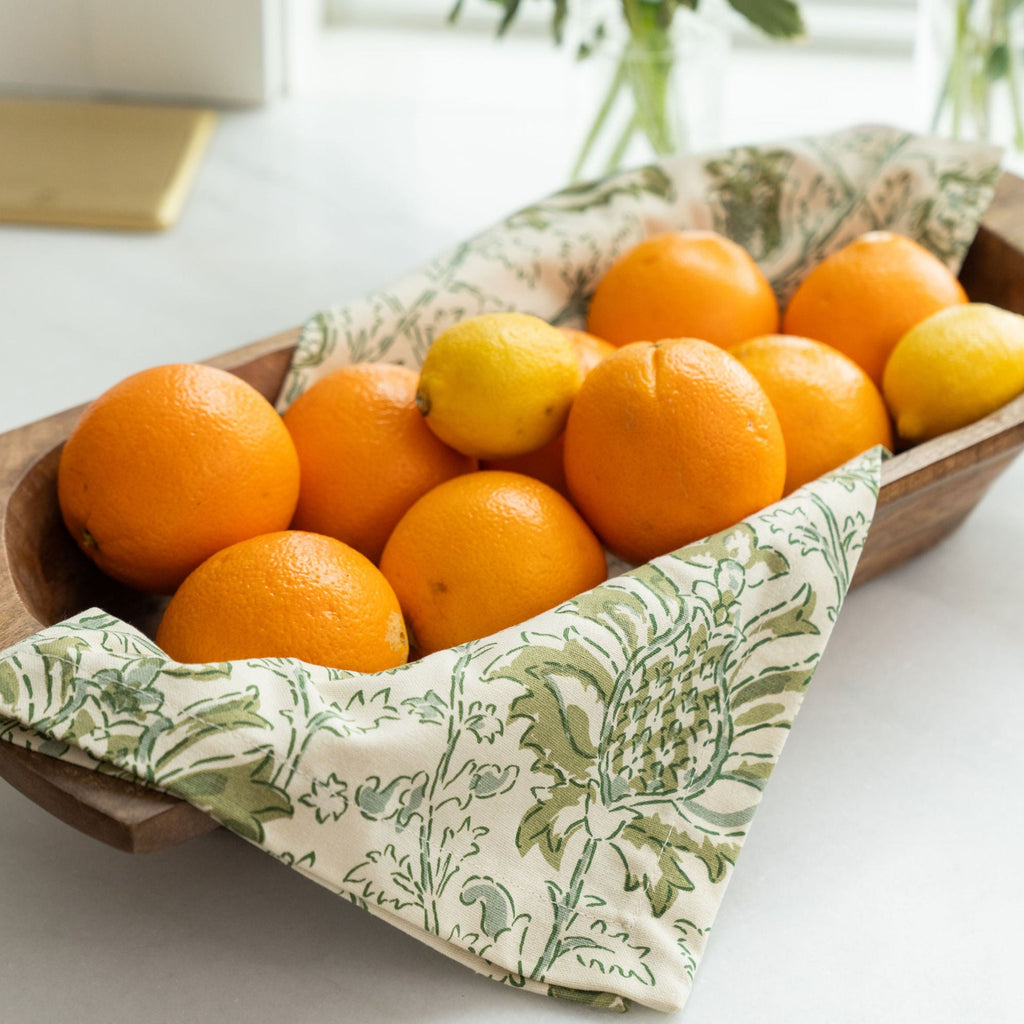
x=927 y=491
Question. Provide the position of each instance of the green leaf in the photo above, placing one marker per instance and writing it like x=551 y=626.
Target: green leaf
x=493 y=780
x=759 y=714
x=497 y=908
x=650 y=180
x=780 y=19
x=771 y=681
x=210 y=717
x=794 y=619
x=552 y=821
x=511 y=9
x=739 y=544
x=240 y=796
x=483 y=722
x=661 y=885
x=748 y=186
x=756 y=773
x=598 y=1000
x=564 y=703
x=400 y=799
x=405 y=890
x=452 y=850
x=480 y=781
x=10 y=685
x=624 y=612
x=609 y=951
x=429 y=709
x=997 y=63
x=672 y=847
x=61 y=657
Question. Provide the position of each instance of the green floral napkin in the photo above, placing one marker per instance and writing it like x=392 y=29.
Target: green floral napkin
x=558 y=806
x=789 y=205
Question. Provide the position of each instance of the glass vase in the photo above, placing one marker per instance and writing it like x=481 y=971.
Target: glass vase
x=971 y=59
x=652 y=93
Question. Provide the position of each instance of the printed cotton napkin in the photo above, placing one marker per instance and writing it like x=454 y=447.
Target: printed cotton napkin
x=789 y=205
x=558 y=806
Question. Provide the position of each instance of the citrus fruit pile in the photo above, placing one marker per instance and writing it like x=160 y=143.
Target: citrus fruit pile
x=392 y=511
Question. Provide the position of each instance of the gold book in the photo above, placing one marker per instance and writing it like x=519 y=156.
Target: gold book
x=98 y=165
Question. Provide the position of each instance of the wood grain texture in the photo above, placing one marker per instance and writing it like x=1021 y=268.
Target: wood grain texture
x=45 y=578
x=926 y=493
x=121 y=814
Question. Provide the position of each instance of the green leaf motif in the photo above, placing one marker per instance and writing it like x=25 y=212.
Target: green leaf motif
x=127 y=689
x=597 y=1000
x=10 y=684
x=428 y=709
x=356 y=714
x=240 y=796
x=399 y=800
x=552 y=821
x=483 y=722
x=760 y=714
x=746 y=194
x=794 y=618
x=650 y=180
x=671 y=847
x=760 y=562
x=307 y=860
x=608 y=950
x=497 y=908
x=478 y=781
x=772 y=681
x=455 y=847
x=563 y=703
x=690 y=942
x=753 y=772
x=404 y=889
x=660 y=877
x=60 y=656
x=493 y=780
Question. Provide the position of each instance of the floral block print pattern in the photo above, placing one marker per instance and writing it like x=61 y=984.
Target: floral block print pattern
x=789 y=205
x=559 y=806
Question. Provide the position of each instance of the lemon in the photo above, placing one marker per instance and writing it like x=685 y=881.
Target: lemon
x=498 y=385
x=953 y=368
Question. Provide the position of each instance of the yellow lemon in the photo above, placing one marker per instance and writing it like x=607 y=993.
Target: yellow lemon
x=498 y=385
x=953 y=368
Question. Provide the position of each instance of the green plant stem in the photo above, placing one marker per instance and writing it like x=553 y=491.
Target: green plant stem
x=961 y=43
x=1014 y=81
x=620 y=147
x=618 y=79
x=983 y=61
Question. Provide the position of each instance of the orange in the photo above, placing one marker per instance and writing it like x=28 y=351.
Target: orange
x=590 y=350
x=485 y=551
x=545 y=464
x=865 y=297
x=288 y=594
x=683 y=284
x=171 y=465
x=366 y=454
x=668 y=442
x=827 y=405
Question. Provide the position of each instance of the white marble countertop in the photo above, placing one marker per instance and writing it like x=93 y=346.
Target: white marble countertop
x=881 y=881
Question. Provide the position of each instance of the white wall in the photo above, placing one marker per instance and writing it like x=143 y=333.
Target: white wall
x=218 y=51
